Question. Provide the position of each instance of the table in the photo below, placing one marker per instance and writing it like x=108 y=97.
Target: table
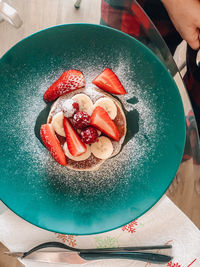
x=185 y=189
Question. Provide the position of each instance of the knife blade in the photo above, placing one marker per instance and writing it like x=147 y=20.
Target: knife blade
x=69 y=257
x=72 y=257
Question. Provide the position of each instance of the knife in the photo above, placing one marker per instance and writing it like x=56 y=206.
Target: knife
x=55 y=244
x=80 y=256
x=72 y=257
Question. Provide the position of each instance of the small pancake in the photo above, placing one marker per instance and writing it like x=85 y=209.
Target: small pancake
x=92 y=163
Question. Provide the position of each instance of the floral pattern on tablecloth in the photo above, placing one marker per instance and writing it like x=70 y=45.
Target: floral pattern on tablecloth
x=119 y=237
x=131 y=227
x=106 y=242
x=68 y=239
x=173 y=264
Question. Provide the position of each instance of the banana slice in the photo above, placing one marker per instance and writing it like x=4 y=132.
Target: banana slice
x=57 y=123
x=85 y=103
x=102 y=149
x=108 y=105
x=84 y=156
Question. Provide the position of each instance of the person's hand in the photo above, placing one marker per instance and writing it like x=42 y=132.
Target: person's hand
x=185 y=15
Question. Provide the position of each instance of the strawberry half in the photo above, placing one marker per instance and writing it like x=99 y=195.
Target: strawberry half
x=75 y=145
x=69 y=81
x=108 y=81
x=52 y=144
x=101 y=120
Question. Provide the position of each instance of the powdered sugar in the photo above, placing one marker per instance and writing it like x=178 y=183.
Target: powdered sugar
x=115 y=171
x=95 y=95
x=108 y=176
x=67 y=108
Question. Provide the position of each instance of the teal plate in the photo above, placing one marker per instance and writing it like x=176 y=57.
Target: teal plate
x=52 y=197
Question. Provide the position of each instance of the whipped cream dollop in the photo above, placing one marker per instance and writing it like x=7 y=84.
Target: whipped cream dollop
x=68 y=108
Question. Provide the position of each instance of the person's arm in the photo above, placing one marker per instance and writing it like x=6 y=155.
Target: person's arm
x=185 y=15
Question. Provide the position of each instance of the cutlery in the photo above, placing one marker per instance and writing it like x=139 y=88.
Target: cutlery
x=81 y=256
x=72 y=257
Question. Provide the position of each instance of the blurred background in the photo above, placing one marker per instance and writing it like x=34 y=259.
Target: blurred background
x=37 y=15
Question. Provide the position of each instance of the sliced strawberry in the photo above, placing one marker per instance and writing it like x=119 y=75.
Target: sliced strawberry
x=75 y=145
x=109 y=82
x=69 y=81
x=52 y=144
x=101 y=120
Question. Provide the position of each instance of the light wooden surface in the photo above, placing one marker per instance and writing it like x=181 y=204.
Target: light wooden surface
x=40 y=14
x=6 y=261
x=185 y=190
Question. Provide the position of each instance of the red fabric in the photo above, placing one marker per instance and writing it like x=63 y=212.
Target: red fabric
x=130 y=24
x=110 y=15
x=140 y=14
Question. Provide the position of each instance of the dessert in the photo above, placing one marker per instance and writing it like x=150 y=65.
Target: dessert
x=88 y=124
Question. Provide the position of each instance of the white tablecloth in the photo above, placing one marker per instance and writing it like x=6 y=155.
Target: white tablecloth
x=163 y=224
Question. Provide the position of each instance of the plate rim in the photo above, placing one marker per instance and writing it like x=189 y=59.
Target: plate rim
x=183 y=123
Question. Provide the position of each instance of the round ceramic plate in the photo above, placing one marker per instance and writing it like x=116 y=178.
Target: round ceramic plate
x=50 y=196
